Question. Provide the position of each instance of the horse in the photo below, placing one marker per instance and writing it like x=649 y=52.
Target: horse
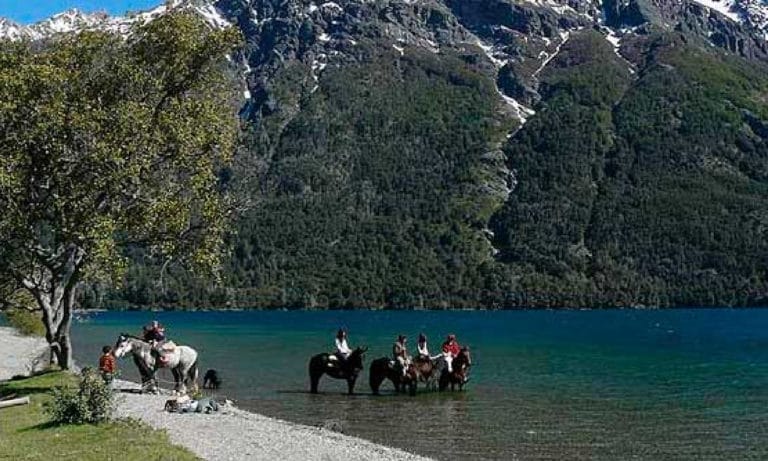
x=383 y=368
x=425 y=369
x=182 y=362
x=340 y=369
x=460 y=374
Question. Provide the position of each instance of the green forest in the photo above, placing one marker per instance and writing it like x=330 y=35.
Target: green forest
x=642 y=185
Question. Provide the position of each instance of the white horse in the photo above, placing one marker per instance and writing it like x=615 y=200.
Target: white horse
x=182 y=362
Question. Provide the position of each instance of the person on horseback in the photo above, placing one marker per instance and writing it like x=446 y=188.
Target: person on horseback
x=422 y=347
x=342 y=348
x=450 y=349
x=400 y=353
x=154 y=334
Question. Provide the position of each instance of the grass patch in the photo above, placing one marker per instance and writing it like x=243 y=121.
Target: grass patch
x=27 y=433
x=26 y=322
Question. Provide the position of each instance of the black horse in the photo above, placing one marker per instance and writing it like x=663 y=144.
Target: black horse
x=460 y=373
x=340 y=369
x=383 y=368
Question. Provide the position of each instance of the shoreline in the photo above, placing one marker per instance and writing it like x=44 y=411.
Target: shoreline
x=417 y=309
x=229 y=434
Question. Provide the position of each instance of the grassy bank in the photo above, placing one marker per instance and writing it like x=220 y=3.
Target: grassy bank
x=26 y=432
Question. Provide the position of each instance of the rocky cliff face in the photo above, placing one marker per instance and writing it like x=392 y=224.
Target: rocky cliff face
x=517 y=37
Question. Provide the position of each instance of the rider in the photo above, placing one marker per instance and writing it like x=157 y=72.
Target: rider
x=342 y=348
x=451 y=349
x=154 y=334
x=400 y=353
x=422 y=346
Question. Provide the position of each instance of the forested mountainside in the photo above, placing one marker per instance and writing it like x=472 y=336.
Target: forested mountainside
x=489 y=153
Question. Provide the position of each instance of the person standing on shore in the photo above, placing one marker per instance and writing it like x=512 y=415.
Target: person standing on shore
x=107 y=364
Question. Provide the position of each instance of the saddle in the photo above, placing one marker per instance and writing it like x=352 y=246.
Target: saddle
x=165 y=352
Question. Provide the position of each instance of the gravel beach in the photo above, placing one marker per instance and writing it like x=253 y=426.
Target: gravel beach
x=229 y=434
x=18 y=353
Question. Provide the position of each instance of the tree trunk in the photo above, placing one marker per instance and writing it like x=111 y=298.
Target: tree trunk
x=63 y=337
x=55 y=292
x=61 y=350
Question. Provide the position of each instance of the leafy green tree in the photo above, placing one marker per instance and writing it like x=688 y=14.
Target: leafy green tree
x=107 y=142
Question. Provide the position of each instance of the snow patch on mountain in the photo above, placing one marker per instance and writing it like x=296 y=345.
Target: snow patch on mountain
x=728 y=8
x=75 y=20
x=752 y=13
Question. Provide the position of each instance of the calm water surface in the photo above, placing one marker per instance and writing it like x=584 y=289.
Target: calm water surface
x=678 y=384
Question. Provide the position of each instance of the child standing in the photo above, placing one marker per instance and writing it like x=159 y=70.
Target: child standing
x=107 y=364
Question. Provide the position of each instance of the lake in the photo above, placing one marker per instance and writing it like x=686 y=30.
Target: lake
x=616 y=384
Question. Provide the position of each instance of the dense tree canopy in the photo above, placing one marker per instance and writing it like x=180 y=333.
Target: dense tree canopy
x=108 y=142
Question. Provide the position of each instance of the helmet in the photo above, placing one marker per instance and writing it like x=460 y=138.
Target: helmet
x=422 y=337
x=341 y=333
x=451 y=337
x=401 y=338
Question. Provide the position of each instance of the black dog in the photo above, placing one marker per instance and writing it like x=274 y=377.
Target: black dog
x=211 y=380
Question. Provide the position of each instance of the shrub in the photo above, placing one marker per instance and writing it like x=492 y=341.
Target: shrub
x=91 y=402
x=26 y=322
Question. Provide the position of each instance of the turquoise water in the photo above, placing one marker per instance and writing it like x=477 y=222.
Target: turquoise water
x=676 y=384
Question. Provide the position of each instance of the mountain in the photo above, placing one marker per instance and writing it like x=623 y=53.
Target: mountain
x=497 y=153
x=75 y=20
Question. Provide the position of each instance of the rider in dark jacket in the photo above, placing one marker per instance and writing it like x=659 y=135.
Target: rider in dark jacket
x=154 y=333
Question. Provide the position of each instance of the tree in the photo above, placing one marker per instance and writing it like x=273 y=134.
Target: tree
x=107 y=142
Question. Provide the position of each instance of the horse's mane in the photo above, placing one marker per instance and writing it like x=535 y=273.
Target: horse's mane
x=137 y=338
x=360 y=350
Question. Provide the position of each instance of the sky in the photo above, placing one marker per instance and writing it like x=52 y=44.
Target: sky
x=30 y=11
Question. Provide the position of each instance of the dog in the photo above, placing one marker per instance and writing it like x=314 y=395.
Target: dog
x=211 y=380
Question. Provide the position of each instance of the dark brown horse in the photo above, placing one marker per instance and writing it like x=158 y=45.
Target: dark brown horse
x=425 y=369
x=383 y=368
x=340 y=369
x=460 y=374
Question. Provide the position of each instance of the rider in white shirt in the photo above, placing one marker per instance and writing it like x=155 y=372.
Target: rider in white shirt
x=342 y=348
x=422 y=346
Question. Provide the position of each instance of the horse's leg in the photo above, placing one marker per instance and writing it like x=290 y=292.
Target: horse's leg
x=412 y=388
x=314 y=380
x=351 y=385
x=190 y=377
x=153 y=387
x=176 y=379
x=375 y=382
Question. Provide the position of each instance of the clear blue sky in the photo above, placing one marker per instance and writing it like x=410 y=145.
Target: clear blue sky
x=29 y=11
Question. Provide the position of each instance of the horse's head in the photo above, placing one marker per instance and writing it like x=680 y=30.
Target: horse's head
x=123 y=346
x=467 y=357
x=461 y=364
x=355 y=359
